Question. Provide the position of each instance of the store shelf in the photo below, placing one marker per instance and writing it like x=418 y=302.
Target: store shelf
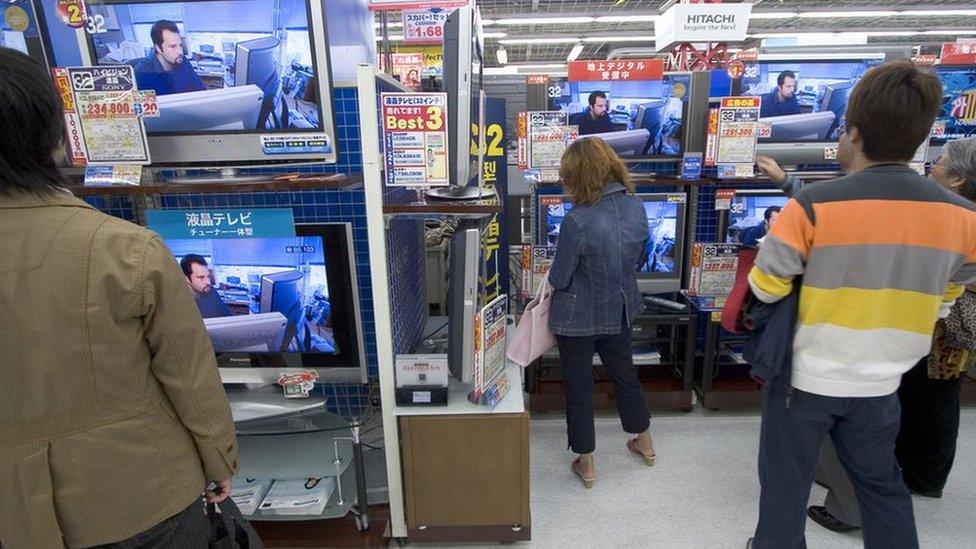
x=458 y=403
x=310 y=454
x=460 y=208
x=303 y=183
x=334 y=509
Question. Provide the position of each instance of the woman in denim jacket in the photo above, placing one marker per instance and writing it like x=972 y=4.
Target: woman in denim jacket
x=602 y=240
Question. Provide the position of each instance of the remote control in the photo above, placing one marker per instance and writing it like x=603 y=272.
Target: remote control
x=665 y=303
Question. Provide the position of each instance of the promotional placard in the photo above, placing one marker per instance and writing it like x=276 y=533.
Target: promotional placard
x=232 y=223
x=702 y=23
x=630 y=69
x=415 y=139
x=723 y=199
x=713 y=268
x=492 y=329
x=424 y=26
x=408 y=68
x=737 y=132
x=547 y=138
x=104 y=100
x=72 y=124
x=542 y=258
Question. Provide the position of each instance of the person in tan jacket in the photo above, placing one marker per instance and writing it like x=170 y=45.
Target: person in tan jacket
x=113 y=419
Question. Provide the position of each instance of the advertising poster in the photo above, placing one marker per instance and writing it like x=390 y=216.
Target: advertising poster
x=424 y=26
x=737 y=131
x=713 y=268
x=493 y=336
x=105 y=101
x=548 y=135
x=542 y=258
x=415 y=139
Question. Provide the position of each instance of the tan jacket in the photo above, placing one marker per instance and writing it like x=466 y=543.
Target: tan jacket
x=112 y=414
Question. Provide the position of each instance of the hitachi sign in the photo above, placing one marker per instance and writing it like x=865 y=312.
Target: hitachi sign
x=710 y=19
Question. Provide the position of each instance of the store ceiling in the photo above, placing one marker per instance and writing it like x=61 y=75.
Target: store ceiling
x=553 y=42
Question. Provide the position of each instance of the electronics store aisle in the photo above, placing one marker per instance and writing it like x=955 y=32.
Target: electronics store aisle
x=702 y=492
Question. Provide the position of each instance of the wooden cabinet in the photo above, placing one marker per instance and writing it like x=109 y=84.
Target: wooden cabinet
x=466 y=477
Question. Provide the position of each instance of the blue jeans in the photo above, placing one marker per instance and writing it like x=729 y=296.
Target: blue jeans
x=863 y=430
x=616 y=353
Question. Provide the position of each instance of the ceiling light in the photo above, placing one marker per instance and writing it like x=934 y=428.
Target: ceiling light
x=395 y=25
x=947 y=32
x=393 y=38
x=829 y=14
x=596 y=39
x=501 y=56
x=539 y=41
x=544 y=20
x=494 y=34
x=773 y=15
x=486 y=22
x=575 y=52
x=626 y=18
x=936 y=13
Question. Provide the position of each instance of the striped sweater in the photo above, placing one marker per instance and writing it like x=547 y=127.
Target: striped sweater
x=883 y=253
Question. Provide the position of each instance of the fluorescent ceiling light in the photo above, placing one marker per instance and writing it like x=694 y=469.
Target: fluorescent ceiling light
x=544 y=20
x=395 y=25
x=936 y=13
x=541 y=66
x=486 y=22
x=596 y=39
x=773 y=15
x=626 y=18
x=575 y=52
x=839 y=13
x=501 y=55
x=947 y=32
x=539 y=41
x=494 y=34
x=393 y=38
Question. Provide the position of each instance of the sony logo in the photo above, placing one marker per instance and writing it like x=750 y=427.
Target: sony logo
x=215 y=141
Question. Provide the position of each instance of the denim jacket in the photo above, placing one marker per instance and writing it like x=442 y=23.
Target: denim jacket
x=595 y=270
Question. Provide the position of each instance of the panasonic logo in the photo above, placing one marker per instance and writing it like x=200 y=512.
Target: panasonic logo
x=711 y=19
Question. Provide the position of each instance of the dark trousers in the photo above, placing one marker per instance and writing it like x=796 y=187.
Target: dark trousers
x=863 y=430
x=576 y=356
x=188 y=529
x=926 y=445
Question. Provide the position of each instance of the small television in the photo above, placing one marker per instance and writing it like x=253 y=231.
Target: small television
x=273 y=303
x=464 y=48
x=242 y=83
x=746 y=217
x=660 y=271
x=464 y=253
x=958 y=113
x=813 y=115
x=30 y=39
x=651 y=119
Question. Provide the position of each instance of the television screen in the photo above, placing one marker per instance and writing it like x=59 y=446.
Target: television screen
x=958 y=112
x=276 y=288
x=747 y=215
x=662 y=219
x=804 y=100
x=217 y=66
x=636 y=118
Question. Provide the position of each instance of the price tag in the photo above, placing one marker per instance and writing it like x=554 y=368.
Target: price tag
x=723 y=199
x=146 y=105
x=424 y=26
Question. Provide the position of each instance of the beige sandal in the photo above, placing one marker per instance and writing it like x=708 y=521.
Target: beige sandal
x=587 y=481
x=648 y=458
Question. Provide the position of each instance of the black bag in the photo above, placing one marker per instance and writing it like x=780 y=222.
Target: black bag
x=229 y=529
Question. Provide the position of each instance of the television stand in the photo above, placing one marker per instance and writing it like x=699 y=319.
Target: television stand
x=230 y=176
x=457 y=193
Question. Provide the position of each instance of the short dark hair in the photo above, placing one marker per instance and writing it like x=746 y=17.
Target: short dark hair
x=187 y=263
x=783 y=76
x=157 y=30
x=770 y=211
x=594 y=95
x=893 y=108
x=31 y=125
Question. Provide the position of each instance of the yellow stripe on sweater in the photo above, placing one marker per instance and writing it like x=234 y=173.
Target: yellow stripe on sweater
x=869 y=309
x=772 y=285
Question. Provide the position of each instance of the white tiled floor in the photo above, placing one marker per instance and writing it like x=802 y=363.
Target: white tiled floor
x=703 y=491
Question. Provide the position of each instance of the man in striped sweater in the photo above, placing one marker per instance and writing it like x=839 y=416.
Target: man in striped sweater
x=882 y=253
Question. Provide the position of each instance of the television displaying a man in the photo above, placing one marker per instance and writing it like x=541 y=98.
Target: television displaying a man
x=166 y=70
x=753 y=235
x=781 y=100
x=595 y=118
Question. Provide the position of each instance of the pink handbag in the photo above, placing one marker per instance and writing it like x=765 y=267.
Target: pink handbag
x=532 y=336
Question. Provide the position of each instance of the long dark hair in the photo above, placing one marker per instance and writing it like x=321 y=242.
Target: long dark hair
x=31 y=125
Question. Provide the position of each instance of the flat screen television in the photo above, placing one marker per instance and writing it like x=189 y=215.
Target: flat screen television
x=803 y=121
x=237 y=82
x=650 y=118
x=746 y=217
x=958 y=114
x=464 y=253
x=660 y=272
x=463 y=68
x=22 y=30
x=272 y=303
